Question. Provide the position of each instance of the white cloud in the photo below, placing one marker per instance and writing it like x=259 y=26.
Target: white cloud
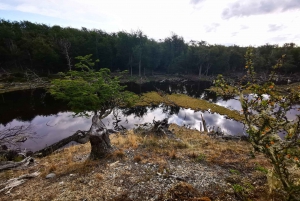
x=213 y=21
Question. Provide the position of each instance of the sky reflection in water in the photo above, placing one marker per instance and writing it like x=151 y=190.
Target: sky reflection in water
x=53 y=128
x=52 y=123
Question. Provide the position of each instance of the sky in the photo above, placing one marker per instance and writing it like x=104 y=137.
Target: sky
x=226 y=22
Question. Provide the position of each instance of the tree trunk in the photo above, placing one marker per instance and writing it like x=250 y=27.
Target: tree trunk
x=130 y=60
x=98 y=136
x=99 y=139
x=65 y=46
x=200 y=71
x=140 y=68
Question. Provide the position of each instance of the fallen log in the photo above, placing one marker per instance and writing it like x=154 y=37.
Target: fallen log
x=5 y=165
x=81 y=137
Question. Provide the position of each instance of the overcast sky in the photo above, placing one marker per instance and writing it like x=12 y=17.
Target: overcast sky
x=227 y=22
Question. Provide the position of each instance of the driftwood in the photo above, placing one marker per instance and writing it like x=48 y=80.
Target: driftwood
x=158 y=128
x=221 y=135
x=81 y=137
x=5 y=165
x=10 y=184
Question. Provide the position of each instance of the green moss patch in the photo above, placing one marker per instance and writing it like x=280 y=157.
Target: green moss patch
x=185 y=101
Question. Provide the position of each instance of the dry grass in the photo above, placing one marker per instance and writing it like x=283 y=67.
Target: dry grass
x=137 y=158
x=118 y=154
x=92 y=177
x=126 y=141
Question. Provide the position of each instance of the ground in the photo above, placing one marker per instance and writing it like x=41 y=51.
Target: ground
x=145 y=167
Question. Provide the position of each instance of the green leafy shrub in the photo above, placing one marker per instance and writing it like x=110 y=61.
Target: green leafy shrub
x=265 y=118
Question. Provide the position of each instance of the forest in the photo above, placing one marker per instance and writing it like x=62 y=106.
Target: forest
x=51 y=49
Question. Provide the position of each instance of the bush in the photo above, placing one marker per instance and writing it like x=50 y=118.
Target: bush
x=265 y=118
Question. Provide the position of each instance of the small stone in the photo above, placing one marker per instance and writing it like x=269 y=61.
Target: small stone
x=51 y=175
x=61 y=183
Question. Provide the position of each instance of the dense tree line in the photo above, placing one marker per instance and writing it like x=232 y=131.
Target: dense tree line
x=51 y=49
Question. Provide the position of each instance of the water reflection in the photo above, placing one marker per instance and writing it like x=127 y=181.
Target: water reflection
x=52 y=122
x=232 y=104
x=190 y=88
x=53 y=128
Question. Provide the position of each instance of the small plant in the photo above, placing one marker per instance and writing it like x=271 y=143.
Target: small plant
x=261 y=168
x=232 y=171
x=238 y=188
x=201 y=157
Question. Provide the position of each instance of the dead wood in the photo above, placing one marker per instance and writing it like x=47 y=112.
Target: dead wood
x=10 y=184
x=5 y=165
x=81 y=137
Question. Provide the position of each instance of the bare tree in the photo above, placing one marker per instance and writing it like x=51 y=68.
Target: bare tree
x=65 y=45
x=15 y=135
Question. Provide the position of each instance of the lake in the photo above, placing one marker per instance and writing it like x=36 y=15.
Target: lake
x=52 y=121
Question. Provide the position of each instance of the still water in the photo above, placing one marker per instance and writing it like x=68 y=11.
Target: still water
x=51 y=120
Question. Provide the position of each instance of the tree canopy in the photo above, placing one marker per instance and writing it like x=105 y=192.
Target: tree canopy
x=51 y=49
x=86 y=89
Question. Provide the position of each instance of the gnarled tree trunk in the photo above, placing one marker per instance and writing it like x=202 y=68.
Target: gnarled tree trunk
x=99 y=139
x=98 y=136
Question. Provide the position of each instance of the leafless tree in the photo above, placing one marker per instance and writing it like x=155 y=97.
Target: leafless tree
x=65 y=45
x=15 y=135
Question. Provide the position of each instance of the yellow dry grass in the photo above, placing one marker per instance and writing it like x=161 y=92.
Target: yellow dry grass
x=193 y=147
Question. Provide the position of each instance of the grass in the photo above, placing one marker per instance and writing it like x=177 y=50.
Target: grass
x=181 y=100
x=97 y=180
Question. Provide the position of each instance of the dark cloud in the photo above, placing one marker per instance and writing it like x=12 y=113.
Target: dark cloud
x=196 y=1
x=248 y=8
x=275 y=27
x=212 y=28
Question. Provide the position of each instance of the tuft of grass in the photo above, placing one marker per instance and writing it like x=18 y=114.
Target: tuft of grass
x=137 y=158
x=261 y=169
x=52 y=168
x=237 y=188
x=232 y=171
x=192 y=155
x=172 y=154
x=99 y=176
x=118 y=154
x=200 y=158
x=131 y=140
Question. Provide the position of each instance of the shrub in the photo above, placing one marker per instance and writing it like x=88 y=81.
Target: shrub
x=265 y=118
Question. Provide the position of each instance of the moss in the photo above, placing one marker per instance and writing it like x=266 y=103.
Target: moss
x=185 y=101
x=150 y=98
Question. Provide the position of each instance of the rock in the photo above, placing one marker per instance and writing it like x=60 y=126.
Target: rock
x=51 y=175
